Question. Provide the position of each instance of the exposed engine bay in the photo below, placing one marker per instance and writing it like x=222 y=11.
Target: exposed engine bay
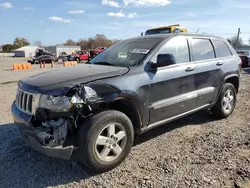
x=52 y=127
x=52 y=133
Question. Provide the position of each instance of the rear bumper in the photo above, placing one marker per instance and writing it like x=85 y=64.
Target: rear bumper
x=27 y=133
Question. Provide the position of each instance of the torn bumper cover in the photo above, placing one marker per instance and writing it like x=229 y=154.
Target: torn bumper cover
x=26 y=130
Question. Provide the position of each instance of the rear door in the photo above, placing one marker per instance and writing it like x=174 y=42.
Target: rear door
x=209 y=73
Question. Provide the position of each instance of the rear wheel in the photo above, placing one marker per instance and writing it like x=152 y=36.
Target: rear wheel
x=226 y=102
x=105 y=140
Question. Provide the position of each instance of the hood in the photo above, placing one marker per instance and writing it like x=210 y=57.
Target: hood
x=60 y=80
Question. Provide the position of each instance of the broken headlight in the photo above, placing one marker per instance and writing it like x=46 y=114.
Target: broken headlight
x=90 y=94
x=84 y=95
x=51 y=102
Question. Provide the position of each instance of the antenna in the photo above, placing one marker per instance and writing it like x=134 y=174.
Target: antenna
x=197 y=30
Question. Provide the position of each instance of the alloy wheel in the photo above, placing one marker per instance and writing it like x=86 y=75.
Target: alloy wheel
x=110 y=142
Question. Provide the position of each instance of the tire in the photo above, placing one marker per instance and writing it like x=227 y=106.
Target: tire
x=219 y=110
x=78 y=60
x=90 y=130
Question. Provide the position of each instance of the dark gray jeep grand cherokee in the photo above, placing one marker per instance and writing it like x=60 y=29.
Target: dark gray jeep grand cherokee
x=93 y=111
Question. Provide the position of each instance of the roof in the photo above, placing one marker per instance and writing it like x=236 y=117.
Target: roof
x=163 y=36
x=26 y=47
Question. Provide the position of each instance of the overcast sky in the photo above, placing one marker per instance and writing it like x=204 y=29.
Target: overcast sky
x=55 y=21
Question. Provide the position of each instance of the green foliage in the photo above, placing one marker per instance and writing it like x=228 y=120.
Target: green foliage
x=20 y=42
x=9 y=47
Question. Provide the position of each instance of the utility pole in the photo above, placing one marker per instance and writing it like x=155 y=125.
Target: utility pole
x=238 y=37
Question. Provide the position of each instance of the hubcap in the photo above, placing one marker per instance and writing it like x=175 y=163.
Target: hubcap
x=110 y=142
x=228 y=101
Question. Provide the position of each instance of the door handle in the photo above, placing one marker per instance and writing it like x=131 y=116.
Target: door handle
x=189 y=69
x=220 y=63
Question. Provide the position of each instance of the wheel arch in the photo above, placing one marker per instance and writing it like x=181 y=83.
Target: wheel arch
x=127 y=107
x=233 y=79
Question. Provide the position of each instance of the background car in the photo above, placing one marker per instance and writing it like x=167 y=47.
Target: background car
x=45 y=58
x=245 y=57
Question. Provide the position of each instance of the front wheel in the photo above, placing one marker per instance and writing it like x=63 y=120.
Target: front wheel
x=105 y=140
x=78 y=60
x=226 y=102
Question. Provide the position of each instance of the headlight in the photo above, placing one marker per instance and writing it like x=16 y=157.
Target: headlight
x=90 y=94
x=84 y=95
x=60 y=103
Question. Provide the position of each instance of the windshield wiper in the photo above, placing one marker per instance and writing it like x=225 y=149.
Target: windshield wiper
x=102 y=63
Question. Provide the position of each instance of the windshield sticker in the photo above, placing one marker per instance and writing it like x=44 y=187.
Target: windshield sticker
x=140 y=51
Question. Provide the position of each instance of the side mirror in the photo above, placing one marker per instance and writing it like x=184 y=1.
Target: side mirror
x=164 y=60
x=141 y=33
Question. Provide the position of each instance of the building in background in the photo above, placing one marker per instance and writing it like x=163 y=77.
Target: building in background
x=25 y=51
x=58 y=49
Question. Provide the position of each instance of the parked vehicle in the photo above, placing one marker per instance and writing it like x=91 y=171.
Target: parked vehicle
x=92 y=112
x=97 y=51
x=79 y=56
x=32 y=60
x=245 y=57
x=45 y=58
x=166 y=30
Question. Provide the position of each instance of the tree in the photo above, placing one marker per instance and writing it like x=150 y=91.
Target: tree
x=38 y=43
x=70 y=42
x=8 y=48
x=20 y=42
x=83 y=44
x=91 y=43
x=101 y=41
x=233 y=40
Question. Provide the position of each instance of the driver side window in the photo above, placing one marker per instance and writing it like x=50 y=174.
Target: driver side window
x=178 y=47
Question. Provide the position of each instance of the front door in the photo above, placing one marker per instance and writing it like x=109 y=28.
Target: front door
x=172 y=89
x=84 y=56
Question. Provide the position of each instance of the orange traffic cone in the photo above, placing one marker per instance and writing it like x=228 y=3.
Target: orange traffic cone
x=29 y=66
x=20 y=67
x=15 y=66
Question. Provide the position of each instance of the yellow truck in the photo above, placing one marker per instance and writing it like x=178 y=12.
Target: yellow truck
x=165 y=30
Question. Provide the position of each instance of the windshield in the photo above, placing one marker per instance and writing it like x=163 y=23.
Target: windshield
x=158 y=31
x=126 y=53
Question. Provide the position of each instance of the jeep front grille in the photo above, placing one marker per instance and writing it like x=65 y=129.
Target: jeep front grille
x=24 y=101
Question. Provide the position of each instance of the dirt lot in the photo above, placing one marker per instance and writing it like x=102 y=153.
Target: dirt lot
x=197 y=151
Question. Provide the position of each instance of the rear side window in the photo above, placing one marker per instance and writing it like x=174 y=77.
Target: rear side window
x=221 y=49
x=202 y=49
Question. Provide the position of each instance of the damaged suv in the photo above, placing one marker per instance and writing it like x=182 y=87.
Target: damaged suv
x=92 y=112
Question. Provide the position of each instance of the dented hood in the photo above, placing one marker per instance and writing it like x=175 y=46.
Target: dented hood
x=66 y=77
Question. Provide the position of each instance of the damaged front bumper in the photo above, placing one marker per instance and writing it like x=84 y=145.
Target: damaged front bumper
x=27 y=132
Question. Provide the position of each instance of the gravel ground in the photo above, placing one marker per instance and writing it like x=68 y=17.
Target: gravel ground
x=197 y=151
